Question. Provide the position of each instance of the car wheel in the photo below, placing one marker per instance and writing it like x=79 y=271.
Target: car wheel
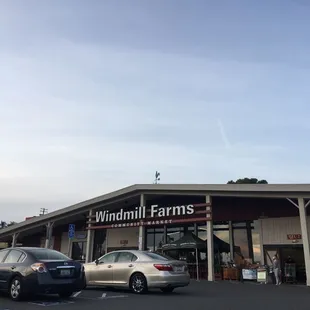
x=15 y=289
x=167 y=289
x=138 y=283
x=65 y=294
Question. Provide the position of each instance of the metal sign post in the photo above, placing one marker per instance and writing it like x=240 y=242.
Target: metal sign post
x=71 y=235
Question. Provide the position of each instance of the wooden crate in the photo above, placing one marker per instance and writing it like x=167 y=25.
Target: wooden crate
x=230 y=274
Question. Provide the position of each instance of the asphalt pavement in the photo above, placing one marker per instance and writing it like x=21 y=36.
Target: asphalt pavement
x=220 y=295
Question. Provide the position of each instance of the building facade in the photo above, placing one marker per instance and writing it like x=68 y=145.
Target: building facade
x=255 y=220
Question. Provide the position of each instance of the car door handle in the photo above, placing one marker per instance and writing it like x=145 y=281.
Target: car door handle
x=13 y=267
x=109 y=266
x=130 y=265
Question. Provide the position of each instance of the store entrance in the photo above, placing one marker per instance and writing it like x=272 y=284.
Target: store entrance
x=79 y=251
x=296 y=253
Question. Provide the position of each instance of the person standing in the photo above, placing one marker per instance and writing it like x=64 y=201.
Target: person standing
x=276 y=269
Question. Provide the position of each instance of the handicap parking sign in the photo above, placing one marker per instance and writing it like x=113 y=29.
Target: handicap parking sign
x=71 y=231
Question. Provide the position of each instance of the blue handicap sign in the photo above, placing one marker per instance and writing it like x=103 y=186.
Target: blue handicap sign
x=71 y=231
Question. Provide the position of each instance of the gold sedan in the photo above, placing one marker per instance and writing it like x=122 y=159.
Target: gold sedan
x=138 y=271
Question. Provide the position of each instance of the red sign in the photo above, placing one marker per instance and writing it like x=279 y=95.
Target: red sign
x=294 y=237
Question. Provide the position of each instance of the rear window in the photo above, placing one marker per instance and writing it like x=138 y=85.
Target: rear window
x=44 y=254
x=157 y=256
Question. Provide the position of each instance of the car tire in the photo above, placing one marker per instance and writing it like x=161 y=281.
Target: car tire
x=16 y=289
x=167 y=290
x=138 y=283
x=65 y=294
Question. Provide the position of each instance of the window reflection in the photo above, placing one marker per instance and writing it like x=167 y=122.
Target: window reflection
x=79 y=250
x=241 y=240
x=174 y=233
x=154 y=239
x=256 y=241
x=223 y=235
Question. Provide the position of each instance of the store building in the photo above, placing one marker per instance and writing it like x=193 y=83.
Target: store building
x=258 y=219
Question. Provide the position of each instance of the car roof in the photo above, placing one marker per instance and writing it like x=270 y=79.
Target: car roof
x=28 y=248
x=125 y=250
x=135 y=252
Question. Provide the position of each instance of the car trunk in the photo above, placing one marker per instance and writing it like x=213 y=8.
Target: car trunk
x=62 y=269
x=178 y=266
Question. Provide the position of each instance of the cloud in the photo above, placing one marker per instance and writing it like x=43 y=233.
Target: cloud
x=83 y=116
x=223 y=134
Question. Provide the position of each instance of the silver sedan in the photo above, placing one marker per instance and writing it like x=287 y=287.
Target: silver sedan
x=138 y=271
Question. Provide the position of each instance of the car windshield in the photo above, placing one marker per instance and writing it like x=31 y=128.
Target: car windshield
x=157 y=256
x=44 y=254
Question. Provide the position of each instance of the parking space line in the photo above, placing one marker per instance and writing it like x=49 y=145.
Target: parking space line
x=77 y=294
x=104 y=295
x=116 y=296
x=87 y=298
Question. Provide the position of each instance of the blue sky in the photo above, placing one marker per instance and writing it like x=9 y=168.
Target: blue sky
x=97 y=95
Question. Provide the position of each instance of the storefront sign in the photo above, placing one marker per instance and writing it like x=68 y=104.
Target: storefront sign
x=262 y=275
x=249 y=274
x=150 y=216
x=294 y=237
x=139 y=213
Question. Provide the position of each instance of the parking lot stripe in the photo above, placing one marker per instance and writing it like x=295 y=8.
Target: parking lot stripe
x=77 y=294
x=103 y=295
x=110 y=297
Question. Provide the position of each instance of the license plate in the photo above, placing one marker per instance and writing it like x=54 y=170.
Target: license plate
x=178 y=269
x=65 y=272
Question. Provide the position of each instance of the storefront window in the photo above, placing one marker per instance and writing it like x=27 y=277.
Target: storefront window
x=202 y=232
x=174 y=233
x=256 y=241
x=223 y=238
x=241 y=241
x=79 y=250
x=99 y=243
x=154 y=239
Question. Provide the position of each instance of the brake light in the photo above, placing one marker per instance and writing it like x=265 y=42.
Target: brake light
x=163 y=267
x=38 y=267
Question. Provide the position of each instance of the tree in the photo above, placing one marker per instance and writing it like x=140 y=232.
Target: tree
x=248 y=181
x=4 y=224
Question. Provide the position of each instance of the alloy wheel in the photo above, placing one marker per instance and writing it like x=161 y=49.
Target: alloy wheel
x=15 y=289
x=138 y=283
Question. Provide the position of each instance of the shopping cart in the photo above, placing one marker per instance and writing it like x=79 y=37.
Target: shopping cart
x=290 y=273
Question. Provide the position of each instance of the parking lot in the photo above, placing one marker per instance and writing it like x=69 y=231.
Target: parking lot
x=197 y=295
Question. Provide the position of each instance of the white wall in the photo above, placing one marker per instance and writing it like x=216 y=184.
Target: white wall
x=79 y=236
x=115 y=235
x=275 y=230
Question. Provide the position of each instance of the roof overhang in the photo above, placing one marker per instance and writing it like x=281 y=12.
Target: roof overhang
x=228 y=190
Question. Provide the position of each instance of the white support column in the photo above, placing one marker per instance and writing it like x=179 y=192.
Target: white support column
x=210 y=248
x=14 y=240
x=90 y=240
x=141 y=240
x=231 y=241
x=305 y=237
x=49 y=233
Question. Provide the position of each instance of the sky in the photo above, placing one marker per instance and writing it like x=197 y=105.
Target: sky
x=98 y=95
